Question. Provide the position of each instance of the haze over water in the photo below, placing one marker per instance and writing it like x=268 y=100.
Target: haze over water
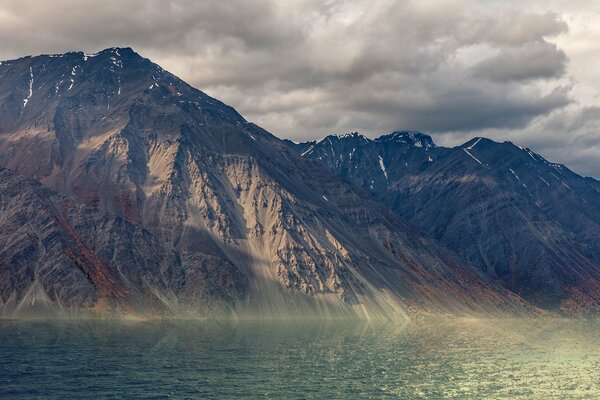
x=464 y=359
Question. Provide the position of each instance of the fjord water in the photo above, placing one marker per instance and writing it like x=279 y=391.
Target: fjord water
x=495 y=359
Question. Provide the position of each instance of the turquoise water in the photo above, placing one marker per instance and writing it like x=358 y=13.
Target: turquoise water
x=466 y=359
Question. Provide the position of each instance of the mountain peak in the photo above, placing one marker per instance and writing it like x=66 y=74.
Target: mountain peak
x=108 y=84
x=110 y=51
x=477 y=141
x=344 y=136
x=412 y=138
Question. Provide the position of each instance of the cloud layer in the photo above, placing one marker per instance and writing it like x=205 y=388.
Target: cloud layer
x=305 y=68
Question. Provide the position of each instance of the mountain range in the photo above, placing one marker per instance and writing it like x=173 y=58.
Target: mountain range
x=528 y=224
x=124 y=191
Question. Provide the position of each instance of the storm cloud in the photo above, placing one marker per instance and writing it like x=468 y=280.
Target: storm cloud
x=306 y=68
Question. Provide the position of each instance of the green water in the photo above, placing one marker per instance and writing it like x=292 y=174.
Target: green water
x=500 y=359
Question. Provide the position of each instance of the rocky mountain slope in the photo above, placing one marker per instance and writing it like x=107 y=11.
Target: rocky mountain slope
x=60 y=257
x=214 y=213
x=527 y=223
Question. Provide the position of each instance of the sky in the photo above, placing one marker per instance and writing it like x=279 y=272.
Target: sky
x=528 y=72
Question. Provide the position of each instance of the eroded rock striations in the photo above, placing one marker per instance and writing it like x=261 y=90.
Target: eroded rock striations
x=157 y=199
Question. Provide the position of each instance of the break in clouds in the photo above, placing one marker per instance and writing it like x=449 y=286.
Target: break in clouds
x=306 y=68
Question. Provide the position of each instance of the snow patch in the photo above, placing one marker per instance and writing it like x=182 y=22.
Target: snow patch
x=155 y=84
x=561 y=181
x=472 y=156
x=513 y=172
x=382 y=166
x=474 y=144
x=544 y=180
x=531 y=154
x=416 y=139
x=73 y=75
x=116 y=62
x=25 y=101
x=87 y=56
x=307 y=151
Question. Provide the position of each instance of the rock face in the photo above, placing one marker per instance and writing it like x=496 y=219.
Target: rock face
x=527 y=223
x=60 y=257
x=160 y=199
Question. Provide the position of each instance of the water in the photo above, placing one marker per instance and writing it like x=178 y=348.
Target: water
x=465 y=359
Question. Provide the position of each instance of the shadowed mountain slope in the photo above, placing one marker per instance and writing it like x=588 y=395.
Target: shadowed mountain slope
x=527 y=223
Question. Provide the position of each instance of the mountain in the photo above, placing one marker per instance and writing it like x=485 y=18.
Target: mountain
x=177 y=205
x=527 y=223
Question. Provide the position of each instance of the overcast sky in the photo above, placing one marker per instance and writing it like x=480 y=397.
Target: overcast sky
x=303 y=69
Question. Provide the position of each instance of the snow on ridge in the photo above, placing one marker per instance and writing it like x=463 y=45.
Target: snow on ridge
x=342 y=136
x=472 y=156
x=560 y=180
x=87 y=56
x=474 y=144
x=351 y=135
x=307 y=151
x=466 y=150
x=519 y=179
x=531 y=154
x=513 y=172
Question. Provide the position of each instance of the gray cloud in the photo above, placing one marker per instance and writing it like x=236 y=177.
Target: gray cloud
x=507 y=26
x=569 y=137
x=305 y=68
x=539 y=60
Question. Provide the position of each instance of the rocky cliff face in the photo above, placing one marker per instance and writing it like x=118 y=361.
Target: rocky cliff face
x=60 y=257
x=180 y=205
x=525 y=222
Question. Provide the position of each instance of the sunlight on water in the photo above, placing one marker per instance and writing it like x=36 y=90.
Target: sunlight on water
x=470 y=359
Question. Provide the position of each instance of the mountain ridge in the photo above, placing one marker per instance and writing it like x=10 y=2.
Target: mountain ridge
x=526 y=222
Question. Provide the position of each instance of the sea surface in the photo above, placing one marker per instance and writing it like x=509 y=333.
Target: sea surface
x=459 y=359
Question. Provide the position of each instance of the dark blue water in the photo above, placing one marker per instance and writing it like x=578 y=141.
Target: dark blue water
x=300 y=360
